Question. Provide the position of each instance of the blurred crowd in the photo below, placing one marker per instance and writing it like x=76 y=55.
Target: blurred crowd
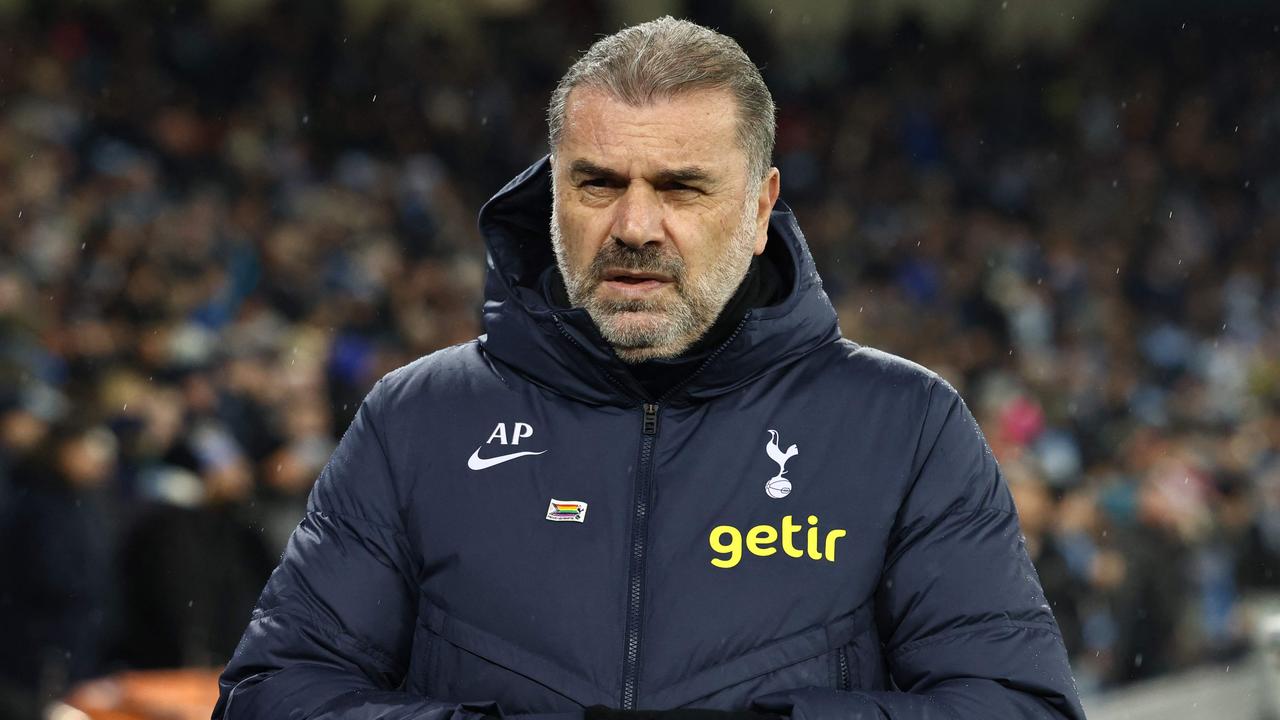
x=216 y=234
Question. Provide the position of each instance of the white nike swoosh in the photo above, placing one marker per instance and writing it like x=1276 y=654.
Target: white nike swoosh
x=475 y=462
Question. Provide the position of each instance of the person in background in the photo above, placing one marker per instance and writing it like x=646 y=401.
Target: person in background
x=55 y=558
x=190 y=565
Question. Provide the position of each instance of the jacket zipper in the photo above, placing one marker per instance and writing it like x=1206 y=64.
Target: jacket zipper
x=639 y=541
x=640 y=517
x=640 y=527
x=844 y=668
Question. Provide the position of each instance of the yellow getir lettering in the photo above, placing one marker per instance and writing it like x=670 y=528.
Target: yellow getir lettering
x=811 y=537
x=831 y=543
x=728 y=541
x=759 y=538
x=732 y=548
x=789 y=530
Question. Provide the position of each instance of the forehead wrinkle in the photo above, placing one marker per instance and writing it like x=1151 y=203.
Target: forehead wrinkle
x=684 y=174
x=660 y=136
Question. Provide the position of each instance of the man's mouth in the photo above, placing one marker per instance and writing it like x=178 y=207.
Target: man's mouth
x=633 y=283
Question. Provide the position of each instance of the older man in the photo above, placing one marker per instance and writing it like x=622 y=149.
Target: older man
x=661 y=480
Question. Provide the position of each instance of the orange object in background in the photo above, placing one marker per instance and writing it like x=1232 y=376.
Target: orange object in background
x=144 y=695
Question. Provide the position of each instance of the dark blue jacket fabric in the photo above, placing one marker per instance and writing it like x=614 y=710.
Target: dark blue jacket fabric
x=512 y=527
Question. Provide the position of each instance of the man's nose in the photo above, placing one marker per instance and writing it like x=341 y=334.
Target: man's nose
x=638 y=216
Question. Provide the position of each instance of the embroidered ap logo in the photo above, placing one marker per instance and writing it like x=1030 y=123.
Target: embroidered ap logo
x=519 y=431
x=778 y=486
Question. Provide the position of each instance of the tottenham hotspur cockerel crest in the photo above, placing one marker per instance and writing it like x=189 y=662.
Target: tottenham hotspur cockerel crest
x=779 y=486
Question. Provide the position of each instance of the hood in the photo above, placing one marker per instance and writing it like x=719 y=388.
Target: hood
x=561 y=349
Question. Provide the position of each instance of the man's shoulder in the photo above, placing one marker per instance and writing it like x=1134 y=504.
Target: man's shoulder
x=454 y=372
x=862 y=364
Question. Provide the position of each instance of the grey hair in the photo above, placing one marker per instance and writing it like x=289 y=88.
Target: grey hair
x=661 y=58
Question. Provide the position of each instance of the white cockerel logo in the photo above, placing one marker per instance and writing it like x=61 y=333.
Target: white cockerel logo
x=778 y=486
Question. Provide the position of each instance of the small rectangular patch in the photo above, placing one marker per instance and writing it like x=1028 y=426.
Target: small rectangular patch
x=566 y=511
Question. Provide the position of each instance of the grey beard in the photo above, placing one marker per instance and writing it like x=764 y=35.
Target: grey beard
x=677 y=324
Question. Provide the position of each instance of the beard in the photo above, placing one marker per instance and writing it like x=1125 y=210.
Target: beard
x=667 y=325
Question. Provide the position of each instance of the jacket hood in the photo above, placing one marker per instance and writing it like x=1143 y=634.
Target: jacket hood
x=562 y=350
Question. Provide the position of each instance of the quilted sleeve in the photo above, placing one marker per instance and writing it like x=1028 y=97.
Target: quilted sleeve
x=331 y=633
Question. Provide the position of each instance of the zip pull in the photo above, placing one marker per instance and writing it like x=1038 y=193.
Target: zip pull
x=651 y=418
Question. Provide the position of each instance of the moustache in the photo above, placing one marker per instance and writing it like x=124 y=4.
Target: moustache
x=646 y=258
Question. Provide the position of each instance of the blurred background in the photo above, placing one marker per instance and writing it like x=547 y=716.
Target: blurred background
x=222 y=221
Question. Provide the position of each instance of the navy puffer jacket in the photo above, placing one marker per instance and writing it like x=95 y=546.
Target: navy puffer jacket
x=511 y=526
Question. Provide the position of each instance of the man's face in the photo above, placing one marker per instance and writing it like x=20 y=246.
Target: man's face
x=655 y=216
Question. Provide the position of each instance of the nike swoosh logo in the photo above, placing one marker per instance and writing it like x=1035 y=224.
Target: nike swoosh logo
x=475 y=462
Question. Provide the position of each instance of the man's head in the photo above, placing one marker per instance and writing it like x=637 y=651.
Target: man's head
x=661 y=137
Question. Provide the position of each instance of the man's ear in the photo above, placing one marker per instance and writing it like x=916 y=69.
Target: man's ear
x=768 y=197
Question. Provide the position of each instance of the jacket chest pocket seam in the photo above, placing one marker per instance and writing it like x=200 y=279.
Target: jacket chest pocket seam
x=432 y=660
x=816 y=643
x=844 y=673
x=442 y=628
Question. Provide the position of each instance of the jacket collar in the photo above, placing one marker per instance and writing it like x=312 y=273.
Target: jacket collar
x=561 y=349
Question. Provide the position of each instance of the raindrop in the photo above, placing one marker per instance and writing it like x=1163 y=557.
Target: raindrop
x=306 y=119
x=375 y=97
x=1170 y=214
x=19 y=214
x=1115 y=183
x=1137 y=660
x=1117 y=271
x=126 y=407
x=860 y=308
x=83 y=244
x=191 y=603
x=1004 y=5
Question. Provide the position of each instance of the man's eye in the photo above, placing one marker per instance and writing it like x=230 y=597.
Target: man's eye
x=599 y=183
x=679 y=188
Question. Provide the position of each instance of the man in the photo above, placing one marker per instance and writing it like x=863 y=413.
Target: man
x=661 y=479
